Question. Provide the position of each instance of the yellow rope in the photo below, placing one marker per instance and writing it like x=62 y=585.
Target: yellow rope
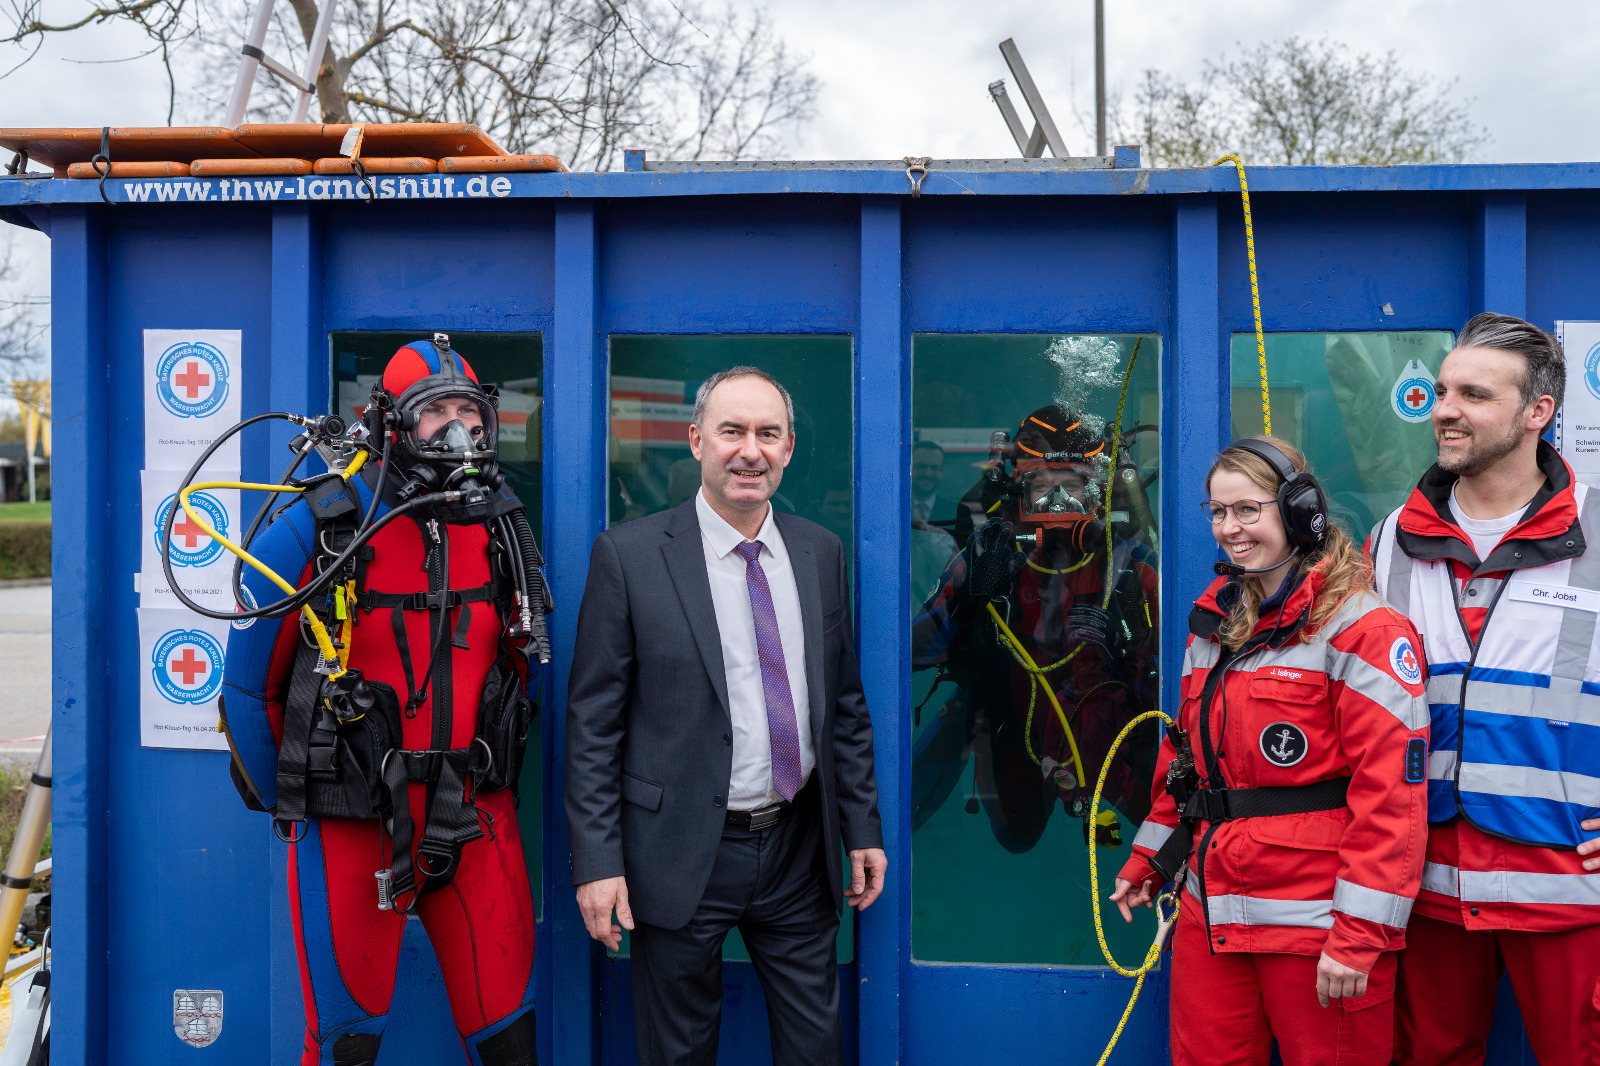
x=1255 y=290
x=1165 y=918
x=1116 y=441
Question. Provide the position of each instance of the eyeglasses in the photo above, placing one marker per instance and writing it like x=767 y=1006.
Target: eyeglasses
x=1248 y=512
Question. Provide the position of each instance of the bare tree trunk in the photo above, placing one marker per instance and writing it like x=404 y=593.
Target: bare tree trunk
x=331 y=75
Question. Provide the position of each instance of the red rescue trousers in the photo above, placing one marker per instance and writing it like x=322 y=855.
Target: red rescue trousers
x=1447 y=985
x=1227 y=1008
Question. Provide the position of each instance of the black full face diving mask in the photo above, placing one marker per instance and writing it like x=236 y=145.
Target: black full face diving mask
x=448 y=431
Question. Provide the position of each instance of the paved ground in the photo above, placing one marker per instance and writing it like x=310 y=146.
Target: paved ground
x=25 y=669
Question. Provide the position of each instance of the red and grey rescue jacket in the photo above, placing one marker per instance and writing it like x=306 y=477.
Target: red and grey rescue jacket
x=1514 y=692
x=1343 y=701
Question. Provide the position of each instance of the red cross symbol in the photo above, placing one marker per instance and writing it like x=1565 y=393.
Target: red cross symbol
x=1414 y=398
x=191 y=379
x=190 y=532
x=1409 y=660
x=188 y=666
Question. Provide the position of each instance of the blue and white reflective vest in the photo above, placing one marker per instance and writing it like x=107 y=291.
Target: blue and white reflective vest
x=1514 y=670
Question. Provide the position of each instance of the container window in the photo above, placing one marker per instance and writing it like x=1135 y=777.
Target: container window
x=515 y=363
x=653 y=384
x=1055 y=438
x=1357 y=404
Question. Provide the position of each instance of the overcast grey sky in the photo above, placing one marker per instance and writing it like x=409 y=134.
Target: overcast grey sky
x=901 y=78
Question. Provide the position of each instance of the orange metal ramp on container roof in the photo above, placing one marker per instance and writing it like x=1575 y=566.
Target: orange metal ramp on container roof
x=310 y=140
x=280 y=143
x=59 y=147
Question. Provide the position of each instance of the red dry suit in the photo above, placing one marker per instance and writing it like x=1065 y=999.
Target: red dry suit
x=481 y=923
x=1339 y=707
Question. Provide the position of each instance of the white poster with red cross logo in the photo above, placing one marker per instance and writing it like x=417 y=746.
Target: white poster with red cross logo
x=180 y=677
x=191 y=380
x=202 y=567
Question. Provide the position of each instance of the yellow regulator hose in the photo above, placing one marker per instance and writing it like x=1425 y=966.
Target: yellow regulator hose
x=1040 y=680
x=1165 y=917
x=330 y=654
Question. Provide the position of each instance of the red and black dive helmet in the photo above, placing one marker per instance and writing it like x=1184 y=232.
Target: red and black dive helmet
x=1058 y=472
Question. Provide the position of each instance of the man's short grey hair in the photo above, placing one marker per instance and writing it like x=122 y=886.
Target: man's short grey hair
x=1547 y=367
x=702 y=395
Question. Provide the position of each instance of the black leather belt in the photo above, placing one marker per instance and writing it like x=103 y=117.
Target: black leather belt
x=760 y=818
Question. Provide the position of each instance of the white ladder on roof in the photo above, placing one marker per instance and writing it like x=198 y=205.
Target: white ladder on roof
x=254 y=58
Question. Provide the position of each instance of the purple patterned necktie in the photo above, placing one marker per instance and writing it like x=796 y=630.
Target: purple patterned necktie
x=781 y=726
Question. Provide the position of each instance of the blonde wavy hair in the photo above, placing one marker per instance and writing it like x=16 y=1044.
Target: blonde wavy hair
x=1346 y=571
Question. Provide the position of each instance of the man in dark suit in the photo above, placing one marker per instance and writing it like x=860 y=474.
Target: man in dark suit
x=718 y=743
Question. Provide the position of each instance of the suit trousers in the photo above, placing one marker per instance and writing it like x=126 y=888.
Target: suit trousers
x=772 y=885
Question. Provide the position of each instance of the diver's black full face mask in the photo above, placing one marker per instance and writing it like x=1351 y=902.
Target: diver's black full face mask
x=449 y=429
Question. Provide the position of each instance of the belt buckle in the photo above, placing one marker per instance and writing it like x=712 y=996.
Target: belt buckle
x=767 y=818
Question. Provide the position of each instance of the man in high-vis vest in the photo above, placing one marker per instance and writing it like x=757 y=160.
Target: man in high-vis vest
x=1496 y=559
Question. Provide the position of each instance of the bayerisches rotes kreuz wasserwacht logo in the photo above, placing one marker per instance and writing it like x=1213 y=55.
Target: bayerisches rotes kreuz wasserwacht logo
x=1413 y=395
x=192 y=379
x=1591 y=371
x=192 y=545
x=187 y=665
x=1403 y=658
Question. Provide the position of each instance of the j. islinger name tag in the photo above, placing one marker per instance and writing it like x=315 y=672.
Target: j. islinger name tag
x=1555 y=595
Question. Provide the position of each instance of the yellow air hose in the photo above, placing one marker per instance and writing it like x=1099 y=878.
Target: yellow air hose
x=1255 y=289
x=1165 y=918
x=1038 y=676
x=1116 y=441
x=330 y=654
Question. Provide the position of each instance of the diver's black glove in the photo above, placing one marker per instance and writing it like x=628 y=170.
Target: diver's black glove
x=1088 y=624
x=993 y=563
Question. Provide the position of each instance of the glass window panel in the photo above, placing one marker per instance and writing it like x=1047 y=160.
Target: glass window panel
x=515 y=363
x=1000 y=866
x=653 y=382
x=1337 y=397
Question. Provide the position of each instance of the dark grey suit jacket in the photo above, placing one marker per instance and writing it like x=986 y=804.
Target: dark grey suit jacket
x=649 y=738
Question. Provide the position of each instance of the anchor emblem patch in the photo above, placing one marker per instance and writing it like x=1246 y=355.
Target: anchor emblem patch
x=1284 y=743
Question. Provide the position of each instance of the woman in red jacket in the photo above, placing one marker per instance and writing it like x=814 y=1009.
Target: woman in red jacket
x=1294 y=812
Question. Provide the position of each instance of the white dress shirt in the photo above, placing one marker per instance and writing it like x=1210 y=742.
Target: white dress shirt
x=751 y=786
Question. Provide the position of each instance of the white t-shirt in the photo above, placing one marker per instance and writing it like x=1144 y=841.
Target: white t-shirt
x=1486 y=533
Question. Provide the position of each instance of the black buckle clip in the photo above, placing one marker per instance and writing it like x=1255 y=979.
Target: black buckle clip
x=1209 y=804
x=430 y=850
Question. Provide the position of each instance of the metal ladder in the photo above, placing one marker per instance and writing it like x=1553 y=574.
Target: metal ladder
x=255 y=58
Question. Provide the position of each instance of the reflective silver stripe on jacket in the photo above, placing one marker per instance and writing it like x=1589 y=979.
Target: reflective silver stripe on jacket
x=1152 y=835
x=1381 y=687
x=1562 y=786
x=1394 y=562
x=1442 y=765
x=1445 y=880
x=1292 y=656
x=1574 y=645
x=1446 y=688
x=1258 y=910
x=1358 y=901
x=1508 y=886
x=1202 y=655
x=1564 y=700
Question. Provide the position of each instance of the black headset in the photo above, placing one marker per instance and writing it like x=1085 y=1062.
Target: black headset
x=1301 y=502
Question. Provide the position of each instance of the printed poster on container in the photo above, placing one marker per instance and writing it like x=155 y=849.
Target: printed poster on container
x=180 y=677
x=191 y=396
x=1577 y=424
x=202 y=567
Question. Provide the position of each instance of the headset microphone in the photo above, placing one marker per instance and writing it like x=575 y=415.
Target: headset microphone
x=1227 y=569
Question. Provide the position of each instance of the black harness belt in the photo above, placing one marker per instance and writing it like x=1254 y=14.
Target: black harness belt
x=1218 y=805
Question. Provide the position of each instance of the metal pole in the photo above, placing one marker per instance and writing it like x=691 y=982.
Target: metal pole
x=319 y=46
x=1099 y=77
x=248 y=65
x=31 y=827
x=32 y=487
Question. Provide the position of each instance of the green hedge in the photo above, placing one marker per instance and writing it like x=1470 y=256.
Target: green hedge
x=24 y=549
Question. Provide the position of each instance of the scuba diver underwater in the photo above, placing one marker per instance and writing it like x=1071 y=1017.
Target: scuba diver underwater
x=1046 y=624
x=382 y=722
